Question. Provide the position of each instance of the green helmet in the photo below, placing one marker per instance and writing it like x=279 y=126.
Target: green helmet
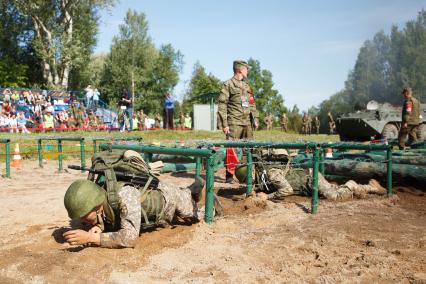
x=241 y=173
x=82 y=196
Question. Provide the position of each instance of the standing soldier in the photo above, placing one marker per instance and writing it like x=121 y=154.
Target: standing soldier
x=93 y=121
x=316 y=124
x=410 y=118
x=237 y=112
x=268 y=121
x=309 y=125
x=157 y=119
x=331 y=123
x=142 y=117
x=181 y=120
x=305 y=124
x=283 y=122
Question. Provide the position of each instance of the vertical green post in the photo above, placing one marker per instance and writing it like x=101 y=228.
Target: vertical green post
x=314 y=204
x=212 y=114
x=197 y=167
x=82 y=154
x=94 y=146
x=40 y=153
x=322 y=165
x=389 y=171
x=208 y=215
x=249 y=173
x=7 y=159
x=59 y=155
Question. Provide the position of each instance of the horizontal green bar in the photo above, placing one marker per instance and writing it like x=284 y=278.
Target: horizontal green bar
x=205 y=153
x=118 y=139
x=4 y=140
x=355 y=146
x=62 y=138
x=252 y=144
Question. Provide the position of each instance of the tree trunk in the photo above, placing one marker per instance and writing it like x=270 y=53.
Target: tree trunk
x=66 y=60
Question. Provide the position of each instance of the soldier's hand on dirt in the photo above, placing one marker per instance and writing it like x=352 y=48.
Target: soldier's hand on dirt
x=405 y=125
x=95 y=229
x=226 y=130
x=81 y=237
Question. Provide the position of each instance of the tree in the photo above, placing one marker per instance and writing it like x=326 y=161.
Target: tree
x=135 y=64
x=65 y=33
x=202 y=88
x=268 y=100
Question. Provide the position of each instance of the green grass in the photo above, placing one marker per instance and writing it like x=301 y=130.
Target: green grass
x=28 y=142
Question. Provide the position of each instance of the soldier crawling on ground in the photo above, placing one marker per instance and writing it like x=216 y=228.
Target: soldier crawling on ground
x=116 y=210
x=276 y=181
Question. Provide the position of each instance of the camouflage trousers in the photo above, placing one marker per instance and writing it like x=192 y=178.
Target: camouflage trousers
x=325 y=189
x=241 y=131
x=178 y=202
x=411 y=131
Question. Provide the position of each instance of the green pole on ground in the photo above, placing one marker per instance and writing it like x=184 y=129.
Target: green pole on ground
x=59 y=155
x=82 y=154
x=94 y=146
x=389 y=171
x=314 y=205
x=322 y=165
x=40 y=153
x=7 y=159
x=249 y=173
x=197 y=167
x=209 y=206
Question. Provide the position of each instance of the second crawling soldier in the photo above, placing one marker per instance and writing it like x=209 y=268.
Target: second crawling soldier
x=237 y=112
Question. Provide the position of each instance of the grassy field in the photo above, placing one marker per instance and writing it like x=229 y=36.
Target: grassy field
x=28 y=142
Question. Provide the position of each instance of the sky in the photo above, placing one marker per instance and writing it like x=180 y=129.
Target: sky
x=309 y=46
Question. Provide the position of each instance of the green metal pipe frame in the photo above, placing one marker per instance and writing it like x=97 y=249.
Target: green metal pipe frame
x=95 y=140
x=198 y=166
x=60 y=153
x=249 y=173
x=314 y=200
x=6 y=143
x=198 y=153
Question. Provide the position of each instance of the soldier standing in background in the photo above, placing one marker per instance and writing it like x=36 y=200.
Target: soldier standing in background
x=268 y=121
x=305 y=124
x=142 y=117
x=283 y=122
x=237 y=114
x=316 y=124
x=309 y=124
x=410 y=118
x=331 y=124
x=157 y=119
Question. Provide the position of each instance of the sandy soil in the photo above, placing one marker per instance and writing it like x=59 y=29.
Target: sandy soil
x=371 y=240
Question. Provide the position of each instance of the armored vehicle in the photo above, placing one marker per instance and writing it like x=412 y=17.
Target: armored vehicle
x=375 y=122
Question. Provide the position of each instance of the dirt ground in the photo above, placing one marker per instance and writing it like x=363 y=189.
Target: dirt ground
x=371 y=240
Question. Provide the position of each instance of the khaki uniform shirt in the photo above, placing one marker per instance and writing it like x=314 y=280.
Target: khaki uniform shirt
x=234 y=107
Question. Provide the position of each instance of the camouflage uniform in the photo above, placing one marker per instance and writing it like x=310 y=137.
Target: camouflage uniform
x=283 y=122
x=316 y=124
x=142 y=117
x=331 y=124
x=410 y=116
x=298 y=181
x=175 y=202
x=305 y=124
x=268 y=121
x=237 y=109
x=181 y=120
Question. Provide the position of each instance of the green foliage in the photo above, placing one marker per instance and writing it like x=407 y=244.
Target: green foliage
x=385 y=65
x=202 y=88
x=268 y=100
x=11 y=74
x=134 y=58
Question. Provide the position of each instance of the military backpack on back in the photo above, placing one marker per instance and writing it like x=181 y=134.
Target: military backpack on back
x=113 y=169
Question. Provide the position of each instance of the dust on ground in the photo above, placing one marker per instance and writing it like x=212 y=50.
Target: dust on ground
x=372 y=240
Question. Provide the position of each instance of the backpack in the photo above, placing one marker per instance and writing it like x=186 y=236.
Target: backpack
x=112 y=169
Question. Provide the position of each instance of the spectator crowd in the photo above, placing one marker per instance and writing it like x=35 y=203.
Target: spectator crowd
x=25 y=111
